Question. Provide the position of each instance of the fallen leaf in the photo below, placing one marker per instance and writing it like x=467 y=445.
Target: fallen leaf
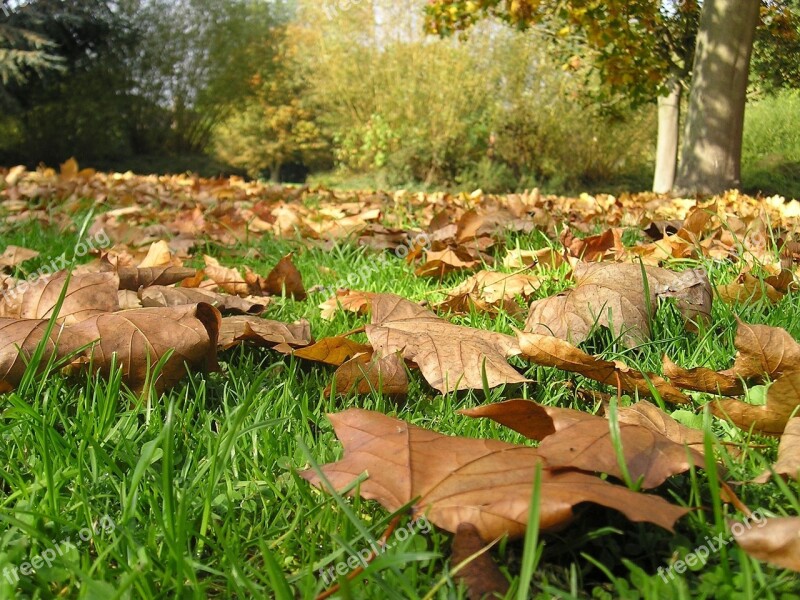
x=775 y=541
x=87 y=295
x=648 y=455
x=450 y=357
x=546 y=257
x=158 y=295
x=486 y=483
x=613 y=295
x=128 y=300
x=285 y=277
x=650 y=416
x=235 y=330
x=762 y=351
x=132 y=278
x=747 y=288
x=16 y=255
x=765 y=350
x=226 y=278
x=140 y=338
x=595 y=247
x=533 y=420
x=701 y=379
x=439 y=263
x=366 y=374
x=573 y=439
x=554 y=352
x=494 y=288
x=783 y=397
x=347 y=300
x=158 y=255
x=480 y=575
x=332 y=350
x=18 y=341
x=788 y=463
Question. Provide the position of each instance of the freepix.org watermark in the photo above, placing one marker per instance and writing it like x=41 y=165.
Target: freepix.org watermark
x=363 y=556
x=12 y=573
x=99 y=241
x=361 y=276
x=699 y=556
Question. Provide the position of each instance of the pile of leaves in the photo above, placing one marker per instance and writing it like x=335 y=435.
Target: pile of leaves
x=136 y=305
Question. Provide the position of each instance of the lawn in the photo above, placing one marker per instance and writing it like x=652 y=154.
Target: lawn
x=109 y=492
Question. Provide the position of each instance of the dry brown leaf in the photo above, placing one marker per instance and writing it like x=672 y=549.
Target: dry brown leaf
x=481 y=576
x=128 y=300
x=613 y=295
x=486 y=483
x=348 y=300
x=439 y=263
x=450 y=357
x=765 y=350
x=247 y=328
x=158 y=295
x=131 y=278
x=595 y=247
x=588 y=446
x=775 y=540
x=546 y=257
x=494 y=288
x=285 y=276
x=332 y=350
x=762 y=351
x=87 y=295
x=650 y=416
x=19 y=339
x=571 y=438
x=533 y=420
x=701 y=379
x=230 y=280
x=16 y=255
x=747 y=288
x=788 y=463
x=554 y=352
x=783 y=397
x=366 y=373
x=158 y=255
x=140 y=338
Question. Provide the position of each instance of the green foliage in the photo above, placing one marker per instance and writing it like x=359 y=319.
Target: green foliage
x=273 y=125
x=493 y=111
x=775 y=63
x=771 y=149
x=23 y=51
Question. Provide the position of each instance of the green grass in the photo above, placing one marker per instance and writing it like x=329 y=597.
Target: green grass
x=196 y=493
x=771 y=146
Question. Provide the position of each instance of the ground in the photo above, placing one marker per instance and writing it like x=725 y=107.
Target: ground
x=198 y=491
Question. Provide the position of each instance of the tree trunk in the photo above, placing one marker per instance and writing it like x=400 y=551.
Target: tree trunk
x=669 y=116
x=275 y=172
x=712 y=143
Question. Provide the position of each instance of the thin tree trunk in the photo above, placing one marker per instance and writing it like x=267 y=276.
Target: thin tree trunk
x=669 y=117
x=712 y=143
x=275 y=172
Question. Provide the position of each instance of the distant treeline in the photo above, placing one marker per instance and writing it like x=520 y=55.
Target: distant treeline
x=281 y=89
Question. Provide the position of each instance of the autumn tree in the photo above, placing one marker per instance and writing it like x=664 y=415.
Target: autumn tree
x=645 y=47
x=274 y=124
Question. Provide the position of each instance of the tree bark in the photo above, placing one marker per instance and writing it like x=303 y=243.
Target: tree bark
x=275 y=172
x=712 y=143
x=669 y=116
